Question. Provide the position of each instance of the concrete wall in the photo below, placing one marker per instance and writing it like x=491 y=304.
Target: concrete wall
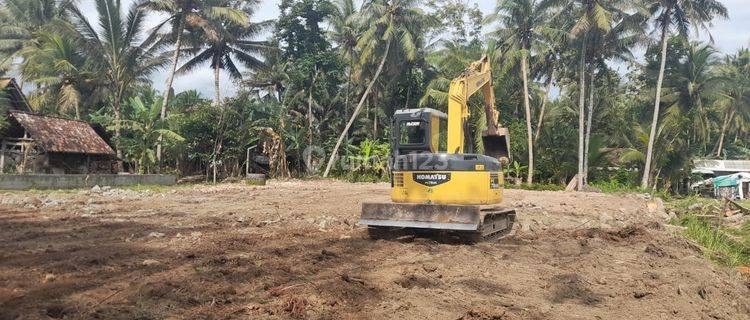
x=71 y=181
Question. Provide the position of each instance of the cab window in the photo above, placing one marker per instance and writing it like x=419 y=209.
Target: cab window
x=412 y=132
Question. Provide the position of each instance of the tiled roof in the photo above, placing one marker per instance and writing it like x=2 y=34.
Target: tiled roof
x=62 y=135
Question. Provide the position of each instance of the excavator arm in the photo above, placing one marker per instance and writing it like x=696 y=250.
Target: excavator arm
x=478 y=76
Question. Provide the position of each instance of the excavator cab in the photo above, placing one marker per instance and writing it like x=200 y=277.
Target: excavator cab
x=424 y=131
x=418 y=131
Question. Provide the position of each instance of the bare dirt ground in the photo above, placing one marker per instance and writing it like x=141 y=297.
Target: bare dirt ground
x=293 y=250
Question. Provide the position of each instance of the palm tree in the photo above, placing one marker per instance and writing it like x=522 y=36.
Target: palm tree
x=183 y=15
x=524 y=23
x=735 y=91
x=224 y=43
x=548 y=62
x=22 y=21
x=116 y=50
x=273 y=78
x=687 y=119
x=345 y=32
x=680 y=14
x=690 y=84
x=449 y=60
x=61 y=74
x=392 y=23
x=592 y=16
x=614 y=45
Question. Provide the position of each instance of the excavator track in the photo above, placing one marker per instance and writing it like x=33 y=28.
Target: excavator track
x=495 y=225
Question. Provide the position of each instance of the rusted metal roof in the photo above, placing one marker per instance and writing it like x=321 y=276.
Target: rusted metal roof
x=62 y=135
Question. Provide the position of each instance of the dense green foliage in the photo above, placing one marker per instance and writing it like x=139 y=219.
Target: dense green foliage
x=302 y=77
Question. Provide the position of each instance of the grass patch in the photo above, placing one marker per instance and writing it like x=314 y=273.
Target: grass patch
x=742 y=233
x=726 y=246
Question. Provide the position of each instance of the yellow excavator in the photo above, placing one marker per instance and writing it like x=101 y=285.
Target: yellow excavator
x=435 y=185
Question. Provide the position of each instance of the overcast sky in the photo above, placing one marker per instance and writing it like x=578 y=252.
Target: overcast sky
x=729 y=35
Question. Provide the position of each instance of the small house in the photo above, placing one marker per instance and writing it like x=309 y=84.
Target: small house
x=733 y=186
x=32 y=143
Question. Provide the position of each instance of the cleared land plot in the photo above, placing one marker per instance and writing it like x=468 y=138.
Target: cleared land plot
x=293 y=250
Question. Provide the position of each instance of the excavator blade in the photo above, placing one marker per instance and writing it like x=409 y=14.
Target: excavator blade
x=496 y=143
x=429 y=216
x=477 y=222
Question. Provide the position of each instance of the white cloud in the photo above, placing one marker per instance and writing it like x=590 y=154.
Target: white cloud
x=733 y=33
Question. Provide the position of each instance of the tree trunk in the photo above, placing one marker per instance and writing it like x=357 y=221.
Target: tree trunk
x=544 y=104
x=168 y=88
x=589 y=121
x=375 y=115
x=217 y=103
x=727 y=119
x=217 y=94
x=308 y=158
x=118 y=127
x=375 y=122
x=529 y=138
x=356 y=110
x=408 y=88
x=214 y=170
x=220 y=134
x=657 y=101
x=581 y=106
x=348 y=91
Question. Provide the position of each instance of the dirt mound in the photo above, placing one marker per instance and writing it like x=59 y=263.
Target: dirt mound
x=293 y=250
x=544 y=210
x=490 y=314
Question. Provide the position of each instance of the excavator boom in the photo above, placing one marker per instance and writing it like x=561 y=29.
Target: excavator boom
x=478 y=76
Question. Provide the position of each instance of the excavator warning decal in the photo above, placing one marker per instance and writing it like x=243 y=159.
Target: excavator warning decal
x=431 y=179
x=494 y=181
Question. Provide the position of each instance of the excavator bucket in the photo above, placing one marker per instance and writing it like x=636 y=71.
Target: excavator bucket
x=496 y=144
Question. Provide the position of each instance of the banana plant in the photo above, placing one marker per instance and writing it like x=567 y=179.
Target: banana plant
x=143 y=127
x=517 y=170
x=369 y=158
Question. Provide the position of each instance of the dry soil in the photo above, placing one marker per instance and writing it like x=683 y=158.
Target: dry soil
x=293 y=250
